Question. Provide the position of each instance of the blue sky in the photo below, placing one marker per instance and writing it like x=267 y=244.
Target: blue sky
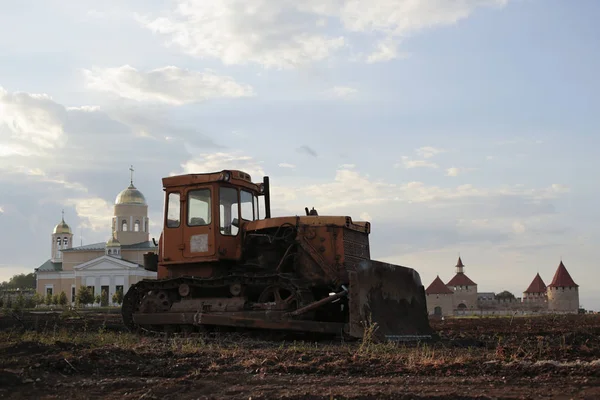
x=452 y=126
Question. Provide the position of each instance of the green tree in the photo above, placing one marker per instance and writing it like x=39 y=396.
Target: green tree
x=84 y=296
x=20 y=302
x=55 y=299
x=62 y=299
x=2 y=302
x=37 y=299
x=30 y=301
x=48 y=300
x=104 y=298
x=20 y=281
x=98 y=299
x=118 y=297
x=505 y=295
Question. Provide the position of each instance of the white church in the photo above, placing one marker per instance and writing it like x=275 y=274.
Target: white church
x=106 y=266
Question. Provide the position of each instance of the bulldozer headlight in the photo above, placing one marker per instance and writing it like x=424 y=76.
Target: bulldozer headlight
x=225 y=176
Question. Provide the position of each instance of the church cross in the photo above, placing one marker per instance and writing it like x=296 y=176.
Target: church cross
x=131 y=169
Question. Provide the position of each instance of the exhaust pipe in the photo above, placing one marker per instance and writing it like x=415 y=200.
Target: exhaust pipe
x=267 y=197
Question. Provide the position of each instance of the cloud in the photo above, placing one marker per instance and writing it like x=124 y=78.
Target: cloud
x=341 y=92
x=95 y=212
x=210 y=162
x=428 y=151
x=170 y=85
x=286 y=165
x=288 y=34
x=307 y=150
x=455 y=171
x=30 y=124
x=408 y=163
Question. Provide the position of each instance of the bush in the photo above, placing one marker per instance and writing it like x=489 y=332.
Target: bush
x=84 y=296
x=104 y=299
x=117 y=298
x=62 y=299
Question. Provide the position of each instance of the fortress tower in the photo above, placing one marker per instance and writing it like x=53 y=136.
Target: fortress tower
x=563 y=292
x=465 y=290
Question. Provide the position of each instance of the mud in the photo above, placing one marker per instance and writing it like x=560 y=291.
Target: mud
x=494 y=358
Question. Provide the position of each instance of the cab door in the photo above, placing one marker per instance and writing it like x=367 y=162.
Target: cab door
x=198 y=226
x=172 y=236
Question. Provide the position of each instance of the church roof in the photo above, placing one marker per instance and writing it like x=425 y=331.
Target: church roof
x=102 y=246
x=62 y=227
x=131 y=196
x=460 y=279
x=438 y=287
x=562 y=278
x=50 y=266
x=537 y=285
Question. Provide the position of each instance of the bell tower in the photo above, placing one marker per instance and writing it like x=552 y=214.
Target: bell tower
x=130 y=221
x=62 y=238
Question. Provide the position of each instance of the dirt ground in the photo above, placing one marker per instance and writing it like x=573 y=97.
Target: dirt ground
x=493 y=358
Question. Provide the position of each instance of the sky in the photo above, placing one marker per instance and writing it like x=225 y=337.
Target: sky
x=455 y=127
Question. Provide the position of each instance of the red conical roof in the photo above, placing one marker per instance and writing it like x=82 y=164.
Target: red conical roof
x=562 y=278
x=438 y=287
x=537 y=285
x=460 y=279
x=459 y=263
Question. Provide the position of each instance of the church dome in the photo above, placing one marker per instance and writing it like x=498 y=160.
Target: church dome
x=62 y=227
x=131 y=196
x=113 y=242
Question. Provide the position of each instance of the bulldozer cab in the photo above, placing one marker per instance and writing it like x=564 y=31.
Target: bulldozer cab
x=205 y=213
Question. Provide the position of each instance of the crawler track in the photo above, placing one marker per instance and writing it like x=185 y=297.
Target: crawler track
x=257 y=282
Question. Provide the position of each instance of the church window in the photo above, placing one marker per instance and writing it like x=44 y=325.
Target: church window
x=58 y=241
x=146 y=225
x=136 y=226
x=65 y=242
x=109 y=251
x=198 y=212
x=124 y=226
x=173 y=210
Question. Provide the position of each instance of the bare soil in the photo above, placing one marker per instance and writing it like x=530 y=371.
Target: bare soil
x=49 y=357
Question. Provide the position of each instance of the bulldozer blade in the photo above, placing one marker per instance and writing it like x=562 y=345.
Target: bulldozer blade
x=387 y=302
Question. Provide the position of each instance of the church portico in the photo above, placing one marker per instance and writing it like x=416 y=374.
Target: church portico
x=110 y=273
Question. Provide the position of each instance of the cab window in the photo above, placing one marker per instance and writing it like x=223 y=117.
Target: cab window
x=198 y=213
x=173 y=210
x=228 y=211
x=256 y=213
x=246 y=205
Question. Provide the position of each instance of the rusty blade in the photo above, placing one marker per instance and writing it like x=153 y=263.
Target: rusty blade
x=390 y=299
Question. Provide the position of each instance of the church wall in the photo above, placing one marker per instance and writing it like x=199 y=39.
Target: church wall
x=444 y=301
x=135 y=256
x=563 y=299
x=57 y=282
x=74 y=258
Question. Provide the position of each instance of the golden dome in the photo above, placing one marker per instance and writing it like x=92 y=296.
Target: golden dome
x=131 y=196
x=62 y=227
x=113 y=242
